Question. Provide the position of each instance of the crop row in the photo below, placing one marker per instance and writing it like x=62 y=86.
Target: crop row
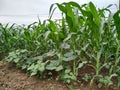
x=84 y=37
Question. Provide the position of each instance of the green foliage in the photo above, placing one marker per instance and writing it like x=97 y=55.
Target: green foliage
x=68 y=76
x=117 y=21
x=36 y=68
x=86 y=77
x=106 y=80
x=54 y=65
x=84 y=36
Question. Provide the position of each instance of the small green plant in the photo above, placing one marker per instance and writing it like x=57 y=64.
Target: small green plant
x=106 y=80
x=86 y=77
x=37 y=68
x=20 y=57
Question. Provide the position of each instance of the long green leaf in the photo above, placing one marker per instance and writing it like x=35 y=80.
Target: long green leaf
x=117 y=22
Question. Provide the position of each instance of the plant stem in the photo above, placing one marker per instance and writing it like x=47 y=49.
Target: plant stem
x=98 y=63
x=119 y=4
x=117 y=55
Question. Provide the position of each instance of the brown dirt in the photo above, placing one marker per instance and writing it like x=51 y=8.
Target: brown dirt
x=12 y=78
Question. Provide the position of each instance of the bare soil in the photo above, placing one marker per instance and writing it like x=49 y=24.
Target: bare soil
x=12 y=78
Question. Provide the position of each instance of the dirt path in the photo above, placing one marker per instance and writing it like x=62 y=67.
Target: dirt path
x=14 y=79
